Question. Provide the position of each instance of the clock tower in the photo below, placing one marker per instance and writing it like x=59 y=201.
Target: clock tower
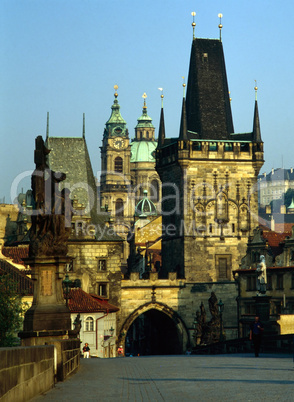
x=115 y=180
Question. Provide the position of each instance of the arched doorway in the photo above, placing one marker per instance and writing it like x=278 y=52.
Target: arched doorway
x=154 y=329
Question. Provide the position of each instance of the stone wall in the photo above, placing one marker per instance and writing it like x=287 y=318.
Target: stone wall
x=25 y=372
x=29 y=371
x=86 y=256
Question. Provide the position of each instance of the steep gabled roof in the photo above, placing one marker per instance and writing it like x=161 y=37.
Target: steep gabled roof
x=70 y=155
x=82 y=302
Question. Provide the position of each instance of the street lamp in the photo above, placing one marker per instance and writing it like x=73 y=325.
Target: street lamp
x=221 y=307
x=66 y=283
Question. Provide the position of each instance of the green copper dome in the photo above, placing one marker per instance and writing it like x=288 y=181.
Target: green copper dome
x=116 y=125
x=143 y=151
x=145 y=207
x=144 y=121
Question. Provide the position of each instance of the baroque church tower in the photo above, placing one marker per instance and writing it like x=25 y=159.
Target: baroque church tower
x=209 y=175
x=127 y=169
x=115 y=166
x=143 y=148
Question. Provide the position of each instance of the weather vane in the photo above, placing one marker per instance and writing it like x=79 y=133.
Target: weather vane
x=220 y=16
x=256 y=88
x=161 y=90
x=193 y=23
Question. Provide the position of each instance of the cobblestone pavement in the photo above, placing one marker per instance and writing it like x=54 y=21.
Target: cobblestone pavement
x=179 y=378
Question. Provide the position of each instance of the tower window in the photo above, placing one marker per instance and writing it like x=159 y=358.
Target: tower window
x=119 y=207
x=118 y=164
x=102 y=265
x=102 y=289
x=223 y=266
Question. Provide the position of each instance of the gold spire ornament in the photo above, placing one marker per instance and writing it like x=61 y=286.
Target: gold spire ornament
x=184 y=86
x=144 y=96
x=115 y=88
x=255 y=88
x=161 y=90
x=193 y=23
x=220 y=16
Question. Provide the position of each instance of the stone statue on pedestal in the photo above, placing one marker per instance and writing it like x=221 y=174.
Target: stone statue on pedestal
x=51 y=217
x=261 y=277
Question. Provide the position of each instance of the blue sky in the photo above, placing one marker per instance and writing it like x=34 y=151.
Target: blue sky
x=65 y=56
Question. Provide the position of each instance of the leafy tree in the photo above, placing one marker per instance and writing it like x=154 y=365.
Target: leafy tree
x=11 y=311
x=289 y=195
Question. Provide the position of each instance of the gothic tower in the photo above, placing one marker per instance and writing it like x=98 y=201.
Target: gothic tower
x=209 y=175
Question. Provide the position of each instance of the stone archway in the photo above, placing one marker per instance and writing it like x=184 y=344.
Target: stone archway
x=154 y=328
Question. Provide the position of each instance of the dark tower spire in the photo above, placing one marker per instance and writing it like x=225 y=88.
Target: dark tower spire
x=256 y=135
x=161 y=132
x=208 y=104
x=183 y=128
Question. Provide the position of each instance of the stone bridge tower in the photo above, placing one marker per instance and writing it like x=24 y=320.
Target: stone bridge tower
x=209 y=175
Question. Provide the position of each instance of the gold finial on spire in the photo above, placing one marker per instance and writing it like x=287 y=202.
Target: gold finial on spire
x=144 y=96
x=115 y=88
x=193 y=23
x=256 y=88
x=220 y=16
x=230 y=96
x=161 y=90
x=184 y=86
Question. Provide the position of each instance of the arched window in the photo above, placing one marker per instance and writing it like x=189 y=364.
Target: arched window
x=154 y=191
x=118 y=164
x=119 y=207
x=89 y=324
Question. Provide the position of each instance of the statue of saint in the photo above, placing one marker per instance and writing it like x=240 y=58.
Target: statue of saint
x=51 y=217
x=261 y=276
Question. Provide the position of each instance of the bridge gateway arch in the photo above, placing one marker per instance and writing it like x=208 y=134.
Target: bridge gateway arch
x=154 y=328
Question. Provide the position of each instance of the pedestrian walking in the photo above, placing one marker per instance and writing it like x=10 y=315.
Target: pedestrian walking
x=256 y=330
x=86 y=351
x=120 y=351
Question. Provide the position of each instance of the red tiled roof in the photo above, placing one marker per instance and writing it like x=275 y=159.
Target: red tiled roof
x=110 y=307
x=274 y=239
x=16 y=253
x=82 y=302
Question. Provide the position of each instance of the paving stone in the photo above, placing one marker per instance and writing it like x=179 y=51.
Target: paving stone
x=237 y=377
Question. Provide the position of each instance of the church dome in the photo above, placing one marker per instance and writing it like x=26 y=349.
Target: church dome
x=145 y=207
x=143 y=151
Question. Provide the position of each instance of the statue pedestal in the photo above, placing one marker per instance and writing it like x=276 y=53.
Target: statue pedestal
x=262 y=304
x=48 y=315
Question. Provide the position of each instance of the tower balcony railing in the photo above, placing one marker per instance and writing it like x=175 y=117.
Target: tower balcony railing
x=209 y=149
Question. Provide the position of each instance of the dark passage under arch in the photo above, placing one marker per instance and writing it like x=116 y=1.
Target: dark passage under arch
x=153 y=333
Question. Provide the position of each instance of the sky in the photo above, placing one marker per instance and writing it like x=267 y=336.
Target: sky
x=65 y=56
